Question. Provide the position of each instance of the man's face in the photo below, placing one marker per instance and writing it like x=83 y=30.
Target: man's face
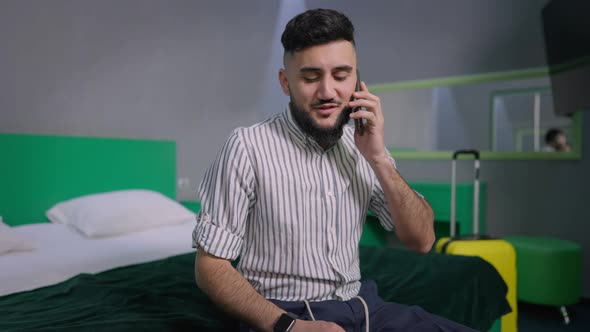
x=320 y=81
x=561 y=140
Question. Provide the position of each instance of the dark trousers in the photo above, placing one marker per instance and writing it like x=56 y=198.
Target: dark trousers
x=383 y=316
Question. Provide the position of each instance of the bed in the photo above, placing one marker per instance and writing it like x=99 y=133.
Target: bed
x=144 y=280
x=39 y=171
x=62 y=253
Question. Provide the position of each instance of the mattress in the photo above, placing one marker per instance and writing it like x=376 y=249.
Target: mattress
x=62 y=253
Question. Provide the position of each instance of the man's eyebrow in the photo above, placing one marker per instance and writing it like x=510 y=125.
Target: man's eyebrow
x=346 y=68
x=310 y=70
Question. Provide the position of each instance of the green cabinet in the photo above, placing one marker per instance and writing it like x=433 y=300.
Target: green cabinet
x=439 y=197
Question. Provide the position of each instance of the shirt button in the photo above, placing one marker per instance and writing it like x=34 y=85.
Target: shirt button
x=329 y=193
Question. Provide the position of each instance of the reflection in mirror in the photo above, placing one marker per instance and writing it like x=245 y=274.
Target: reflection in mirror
x=522 y=118
x=498 y=113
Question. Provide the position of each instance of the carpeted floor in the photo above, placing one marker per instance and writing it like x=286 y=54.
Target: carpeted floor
x=535 y=318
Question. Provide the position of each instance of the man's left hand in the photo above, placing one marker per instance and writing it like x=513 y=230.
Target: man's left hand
x=371 y=143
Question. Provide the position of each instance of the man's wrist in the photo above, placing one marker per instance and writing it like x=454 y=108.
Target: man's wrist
x=380 y=161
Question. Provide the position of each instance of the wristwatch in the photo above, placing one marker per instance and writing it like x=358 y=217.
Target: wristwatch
x=285 y=323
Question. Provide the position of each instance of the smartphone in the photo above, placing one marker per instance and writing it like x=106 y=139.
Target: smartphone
x=358 y=124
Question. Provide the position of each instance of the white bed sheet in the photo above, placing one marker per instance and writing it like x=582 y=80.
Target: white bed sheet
x=63 y=253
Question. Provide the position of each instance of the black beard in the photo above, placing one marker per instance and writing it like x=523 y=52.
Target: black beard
x=323 y=136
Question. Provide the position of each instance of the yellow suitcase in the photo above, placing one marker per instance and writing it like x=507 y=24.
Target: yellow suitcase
x=497 y=252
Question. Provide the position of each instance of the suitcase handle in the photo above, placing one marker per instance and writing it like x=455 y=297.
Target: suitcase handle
x=453 y=225
x=475 y=153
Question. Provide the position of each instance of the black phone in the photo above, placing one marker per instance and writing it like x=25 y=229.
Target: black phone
x=358 y=124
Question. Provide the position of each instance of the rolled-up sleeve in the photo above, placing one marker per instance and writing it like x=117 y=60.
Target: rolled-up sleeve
x=378 y=206
x=226 y=193
x=378 y=203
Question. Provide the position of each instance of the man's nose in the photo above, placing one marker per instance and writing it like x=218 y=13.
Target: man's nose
x=326 y=89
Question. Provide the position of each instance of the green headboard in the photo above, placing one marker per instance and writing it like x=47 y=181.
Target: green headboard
x=37 y=171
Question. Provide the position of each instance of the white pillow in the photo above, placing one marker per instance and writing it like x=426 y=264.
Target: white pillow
x=10 y=241
x=119 y=212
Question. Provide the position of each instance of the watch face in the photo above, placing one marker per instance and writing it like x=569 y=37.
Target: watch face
x=285 y=323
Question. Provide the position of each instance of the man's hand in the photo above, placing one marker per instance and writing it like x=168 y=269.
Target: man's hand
x=318 y=325
x=371 y=144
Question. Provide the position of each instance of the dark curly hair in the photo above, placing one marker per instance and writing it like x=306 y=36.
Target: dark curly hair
x=316 y=27
x=552 y=134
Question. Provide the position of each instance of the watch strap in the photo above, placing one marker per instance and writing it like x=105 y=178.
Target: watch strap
x=285 y=322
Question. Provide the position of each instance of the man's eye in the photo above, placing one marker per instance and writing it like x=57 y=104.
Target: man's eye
x=340 y=78
x=310 y=79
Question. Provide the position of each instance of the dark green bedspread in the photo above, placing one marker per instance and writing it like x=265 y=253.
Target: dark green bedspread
x=162 y=295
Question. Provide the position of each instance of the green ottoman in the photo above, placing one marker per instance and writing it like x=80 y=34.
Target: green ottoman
x=549 y=271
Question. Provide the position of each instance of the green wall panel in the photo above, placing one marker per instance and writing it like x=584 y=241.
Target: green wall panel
x=37 y=171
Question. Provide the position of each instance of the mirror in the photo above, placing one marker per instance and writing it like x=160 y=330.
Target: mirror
x=521 y=119
x=504 y=115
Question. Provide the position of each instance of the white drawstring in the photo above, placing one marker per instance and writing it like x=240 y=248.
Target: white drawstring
x=358 y=297
x=366 y=312
x=309 y=309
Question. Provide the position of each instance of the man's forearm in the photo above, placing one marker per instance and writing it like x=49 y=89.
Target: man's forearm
x=412 y=215
x=232 y=293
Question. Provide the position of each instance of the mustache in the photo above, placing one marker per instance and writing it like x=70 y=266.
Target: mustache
x=326 y=101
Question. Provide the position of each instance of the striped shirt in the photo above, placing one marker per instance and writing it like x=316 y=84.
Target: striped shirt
x=290 y=210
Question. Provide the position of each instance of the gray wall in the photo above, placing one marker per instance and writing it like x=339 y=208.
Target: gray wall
x=417 y=39
x=182 y=70
x=193 y=70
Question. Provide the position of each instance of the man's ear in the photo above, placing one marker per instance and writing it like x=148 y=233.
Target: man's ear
x=284 y=82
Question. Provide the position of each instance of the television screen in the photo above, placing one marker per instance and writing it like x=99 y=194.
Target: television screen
x=566 y=27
